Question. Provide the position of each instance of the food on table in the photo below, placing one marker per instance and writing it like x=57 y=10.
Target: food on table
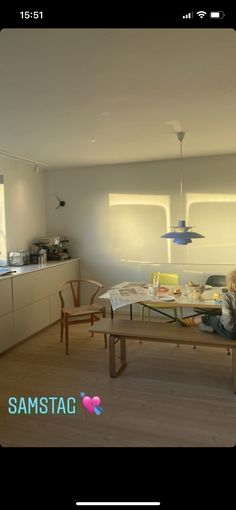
x=163 y=289
x=196 y=286
x=177 y=290
x=191 y=284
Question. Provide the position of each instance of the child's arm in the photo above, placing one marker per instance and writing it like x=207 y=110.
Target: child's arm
x=227 y=316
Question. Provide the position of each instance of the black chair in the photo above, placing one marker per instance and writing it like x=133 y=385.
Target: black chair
x=215 y=280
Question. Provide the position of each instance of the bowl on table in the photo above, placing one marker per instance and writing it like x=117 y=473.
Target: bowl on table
x=196 y=291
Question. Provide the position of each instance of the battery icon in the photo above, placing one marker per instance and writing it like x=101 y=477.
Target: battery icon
x=217 y=14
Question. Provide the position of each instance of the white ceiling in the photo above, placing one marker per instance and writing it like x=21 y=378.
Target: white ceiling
x=94 y=96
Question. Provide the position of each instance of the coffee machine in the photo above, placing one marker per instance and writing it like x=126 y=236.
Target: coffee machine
x=57 y=247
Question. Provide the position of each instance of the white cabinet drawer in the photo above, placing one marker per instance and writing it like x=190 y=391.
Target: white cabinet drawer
x=55 y=308
x=29 y=288
x=31 y=319
x=6 y=332
x=5 y=296
x=32 y=287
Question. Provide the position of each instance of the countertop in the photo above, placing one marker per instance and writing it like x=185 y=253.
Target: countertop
x=31 y=268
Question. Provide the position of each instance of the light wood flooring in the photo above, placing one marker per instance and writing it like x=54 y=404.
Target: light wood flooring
x=167 y=396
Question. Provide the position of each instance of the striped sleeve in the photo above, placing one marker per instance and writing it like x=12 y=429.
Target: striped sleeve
x=227 y=316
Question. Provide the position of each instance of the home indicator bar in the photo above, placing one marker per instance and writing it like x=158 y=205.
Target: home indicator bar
x=115 y=503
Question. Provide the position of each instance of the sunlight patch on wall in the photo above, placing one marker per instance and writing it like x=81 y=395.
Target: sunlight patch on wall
x=190 y=271
x=192 y=198
x=121 y=199
x=213 y=214
x=144 y=262
x=136 y=224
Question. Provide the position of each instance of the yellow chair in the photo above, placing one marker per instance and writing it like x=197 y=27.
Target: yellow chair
x=163 y=279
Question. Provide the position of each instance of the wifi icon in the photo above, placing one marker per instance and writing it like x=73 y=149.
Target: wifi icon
x=201 y=14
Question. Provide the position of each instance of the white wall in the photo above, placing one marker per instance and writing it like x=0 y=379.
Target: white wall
x=102 y=235
x=3 y=255
x=24 y=202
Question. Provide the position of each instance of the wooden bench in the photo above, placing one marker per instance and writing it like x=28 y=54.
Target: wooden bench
x=120 y=330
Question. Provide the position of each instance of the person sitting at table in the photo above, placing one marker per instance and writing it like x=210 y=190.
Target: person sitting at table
x=225 y=324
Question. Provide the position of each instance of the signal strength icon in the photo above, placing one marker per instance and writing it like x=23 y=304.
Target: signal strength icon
x=188 y=15
x=201 y=14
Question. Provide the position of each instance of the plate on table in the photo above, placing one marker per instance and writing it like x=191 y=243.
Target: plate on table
x=165 y=298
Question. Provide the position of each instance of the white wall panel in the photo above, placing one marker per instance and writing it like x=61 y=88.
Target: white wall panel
x=5 y=295
x=6 y=332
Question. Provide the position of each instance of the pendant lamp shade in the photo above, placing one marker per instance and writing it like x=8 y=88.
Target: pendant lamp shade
x=181 y=234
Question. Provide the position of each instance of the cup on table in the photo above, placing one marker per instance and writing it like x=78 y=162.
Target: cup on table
x=185 y=290
x=151 y=289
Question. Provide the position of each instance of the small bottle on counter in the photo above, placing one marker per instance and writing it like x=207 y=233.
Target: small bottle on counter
x=42 y=256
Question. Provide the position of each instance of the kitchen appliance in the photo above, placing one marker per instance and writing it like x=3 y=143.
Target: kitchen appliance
x=57 y=247
x=49 y=240
x=19 y=258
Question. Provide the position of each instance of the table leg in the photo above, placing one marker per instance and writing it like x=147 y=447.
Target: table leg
x=112 y=355
x=131 y=312
x=158 y=310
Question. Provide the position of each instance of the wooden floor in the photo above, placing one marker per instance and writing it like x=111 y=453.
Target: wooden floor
x=167 y=396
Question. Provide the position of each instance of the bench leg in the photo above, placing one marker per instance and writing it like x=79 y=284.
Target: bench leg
x=234 y=369
x=112 y=355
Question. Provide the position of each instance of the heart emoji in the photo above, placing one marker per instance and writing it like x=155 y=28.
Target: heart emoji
x=96 y=401
x=90 y=403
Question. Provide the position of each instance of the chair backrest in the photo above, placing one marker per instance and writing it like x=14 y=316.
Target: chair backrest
x=74 y=289
x=166 y=278
x=216 y=280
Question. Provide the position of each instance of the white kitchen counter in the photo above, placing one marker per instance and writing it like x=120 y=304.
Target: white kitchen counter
x=31 y=303
x=30 y=268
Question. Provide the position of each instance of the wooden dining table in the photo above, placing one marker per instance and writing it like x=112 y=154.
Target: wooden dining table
x=205 y=302
x=159 y=303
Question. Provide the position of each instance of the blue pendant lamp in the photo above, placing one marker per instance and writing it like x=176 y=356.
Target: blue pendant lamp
x=181 y=234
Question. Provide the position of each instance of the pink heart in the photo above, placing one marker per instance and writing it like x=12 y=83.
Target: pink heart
x=89 y=403
x=96 y=401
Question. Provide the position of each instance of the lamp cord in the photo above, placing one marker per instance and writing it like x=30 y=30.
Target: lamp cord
x=181 y=182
